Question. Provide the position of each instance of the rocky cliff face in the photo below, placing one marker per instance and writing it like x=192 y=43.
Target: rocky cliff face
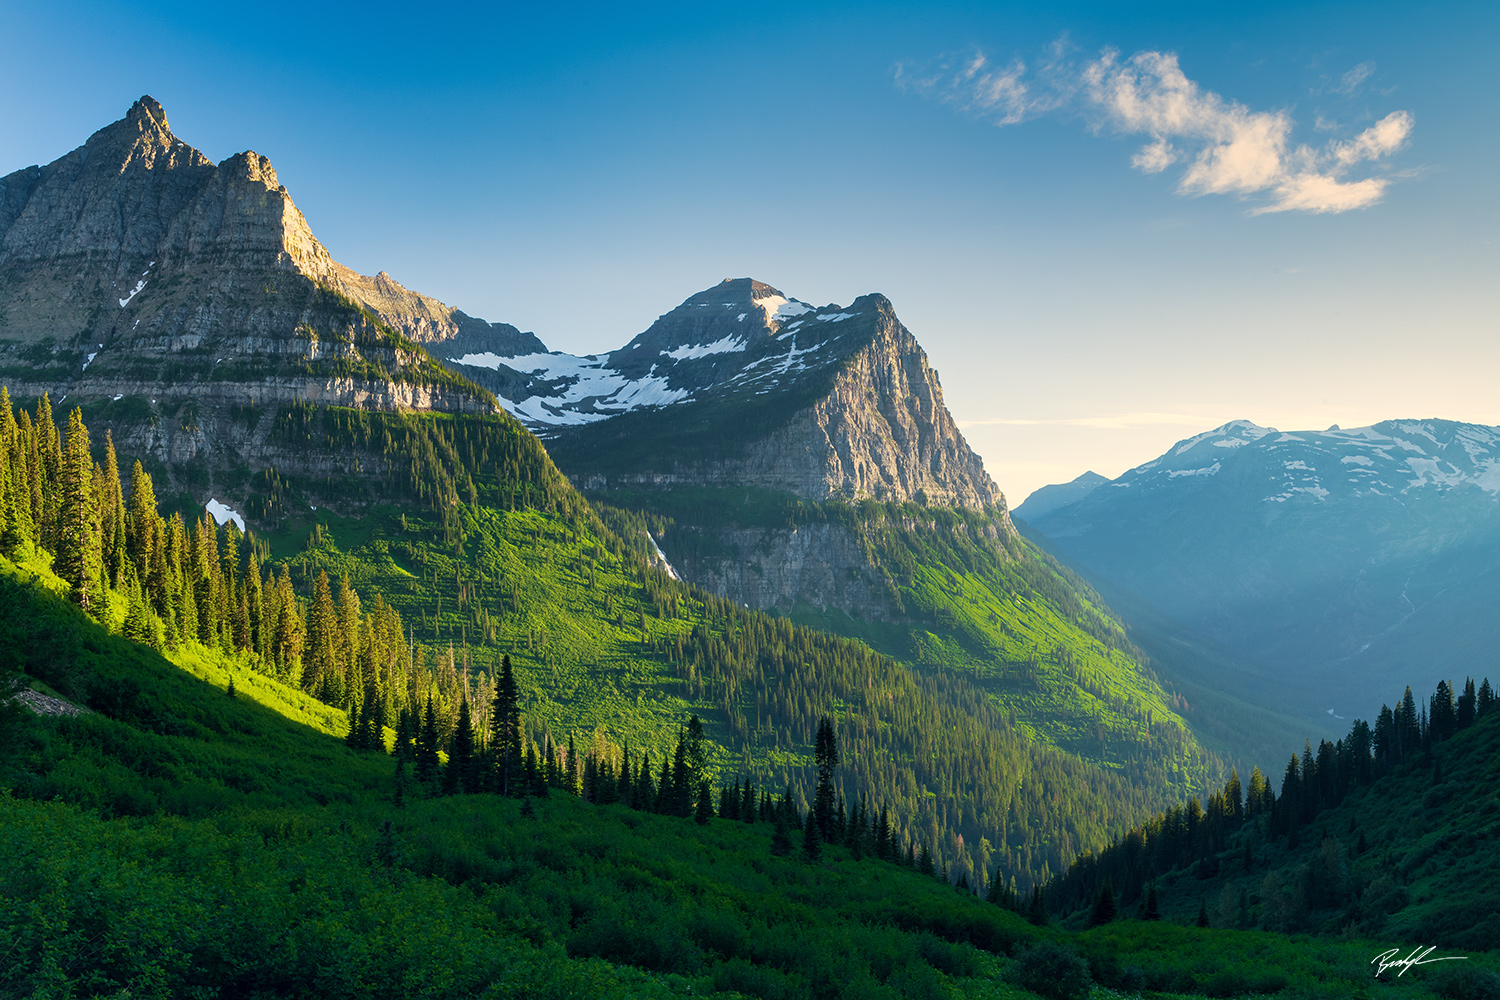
x=881 y=432
x=741 y=386
x=822 y=565
x=135 y=268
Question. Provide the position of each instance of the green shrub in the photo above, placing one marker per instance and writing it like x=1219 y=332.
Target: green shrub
x=1461 y=981
x=1053 y=971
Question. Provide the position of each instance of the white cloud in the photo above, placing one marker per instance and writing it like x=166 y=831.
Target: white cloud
x=1227 y=147
x=1351 y=80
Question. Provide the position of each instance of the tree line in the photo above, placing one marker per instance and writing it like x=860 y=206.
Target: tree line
x=1316 y=780
x=184 y=582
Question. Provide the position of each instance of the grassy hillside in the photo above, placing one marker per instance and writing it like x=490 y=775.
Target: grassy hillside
x=246 y=854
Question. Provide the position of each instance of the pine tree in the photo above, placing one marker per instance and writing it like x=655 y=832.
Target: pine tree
x=112 y=510
x=461 y=757
x=1037 y=911
x=575 y=776
x=826 y=756
x=1486 y=699
x=505 y=729
x=319 y=655
x=644 y=794
x=681 y=801
x=1202 y=920
x=696 y=754
x=1150 y=907
x=79 y=547
x=1466 y=704
x=1105 y=909
x=812 y=840
x=1443 y=717
x=705 y=810
x=781 y=841
x=427 y=748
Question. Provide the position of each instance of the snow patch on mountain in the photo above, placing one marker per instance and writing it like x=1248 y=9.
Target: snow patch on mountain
x=722 y=346
x=222 y=512
x=779 y=308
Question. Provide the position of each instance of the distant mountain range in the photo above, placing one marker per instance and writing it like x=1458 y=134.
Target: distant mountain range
x=1335 y=563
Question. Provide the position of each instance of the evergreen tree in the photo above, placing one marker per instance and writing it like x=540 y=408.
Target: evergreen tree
x=1443 y=717
x=748 y=804
x=705 y=810
x=575 y=773
x=1486 y=699
x=696 y=752
x=398 y=795
x=925 y=865
x=644 y=794
x=1105 y=909
x=781 y=841
x=1408 y=725
x=1150 y=907
x=319 y=653
x=1466 y=704
x=464 y=777
x=1037 y=911
x=729 y=801
x=682 y=784
x=505 y=733
x=112 y=512
x=826 y=756
x=427 y=748
x=1202 y=920
x=812 y=840
x=78 y=546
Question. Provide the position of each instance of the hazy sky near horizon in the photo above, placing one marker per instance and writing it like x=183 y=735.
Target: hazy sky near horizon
x=1110 y=227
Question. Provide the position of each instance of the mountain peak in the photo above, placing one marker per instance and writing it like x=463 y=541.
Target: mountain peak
x=148 y=113
x=740 y=291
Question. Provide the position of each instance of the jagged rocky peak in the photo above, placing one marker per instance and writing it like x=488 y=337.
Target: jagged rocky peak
x=136 y=202
x=133 y=266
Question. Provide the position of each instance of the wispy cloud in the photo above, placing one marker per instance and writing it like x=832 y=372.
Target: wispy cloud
x=1350 y=81
x=1221 y=146
x=1118 y=421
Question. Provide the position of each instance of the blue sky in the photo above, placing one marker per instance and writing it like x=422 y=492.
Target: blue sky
x=1122 y=227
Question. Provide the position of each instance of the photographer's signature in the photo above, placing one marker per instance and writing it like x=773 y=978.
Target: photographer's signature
x=1418 y=956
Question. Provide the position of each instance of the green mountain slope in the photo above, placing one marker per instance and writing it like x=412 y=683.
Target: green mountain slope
x=970 y=597
x=1389 y=832
x=261 y=857
x=490 y=552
